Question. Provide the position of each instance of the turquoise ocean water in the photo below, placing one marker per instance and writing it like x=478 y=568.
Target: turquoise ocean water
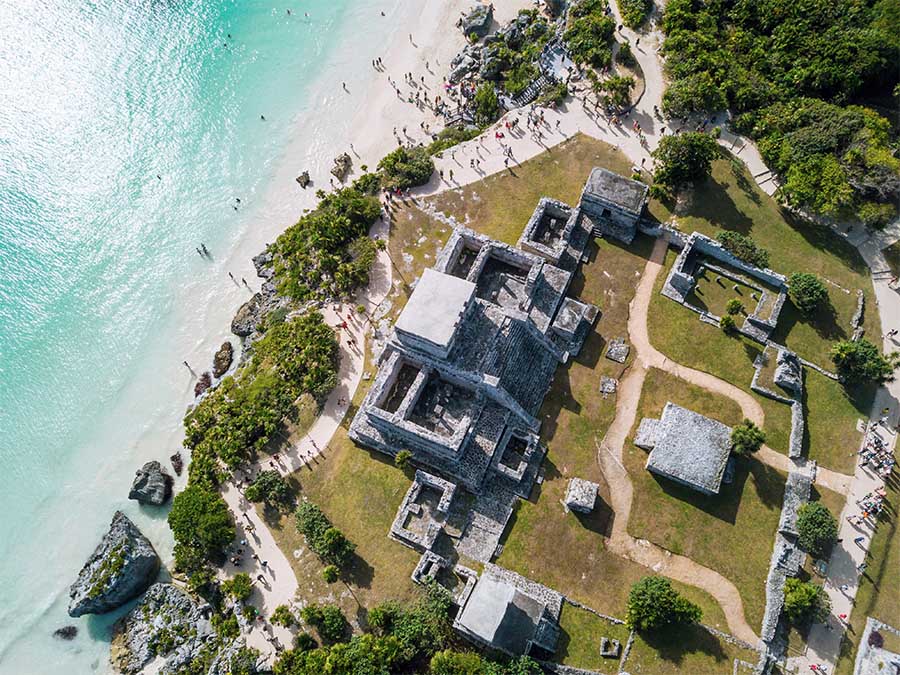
x=127 y=129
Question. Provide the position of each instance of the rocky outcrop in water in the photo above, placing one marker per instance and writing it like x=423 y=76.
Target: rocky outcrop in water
x=177 y=463
x=223 y=358
x=122 y=566
x=66 y=633
x=342 y=165
x=152 y=485
x=171 y=624
x=303 y=179
x=204 y=382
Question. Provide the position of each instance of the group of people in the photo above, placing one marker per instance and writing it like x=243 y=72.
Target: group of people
x=877 y=454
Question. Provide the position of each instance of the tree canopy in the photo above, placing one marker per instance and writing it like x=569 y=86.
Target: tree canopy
x=269 y=487
x=805 y=602
x=653 y=605
x=327 y=541
x=406 y=167
x=747 y=438
x=859 y=361
x=743 y=248
x=818 y=529
x=684 y=158
x=807 y=292
x=201 y=525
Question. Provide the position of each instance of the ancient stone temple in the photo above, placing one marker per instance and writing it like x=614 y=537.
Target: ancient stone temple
x=615 y=203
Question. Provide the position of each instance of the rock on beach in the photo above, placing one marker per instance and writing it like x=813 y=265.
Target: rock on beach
x=152 y=485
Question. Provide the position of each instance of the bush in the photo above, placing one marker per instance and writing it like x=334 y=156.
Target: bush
x=269 y=487
x=487 y=105
x=653 y=604
x=625 y=56
x=402 y=459
x=555 y=94
x=807 y=292
x=875 y=215
x=747 y=438
x=589 y=37
x=734 y=306
x=450 y=136
x=406 y=167
x=817 y=528
x=805 y=602
x=859 y=361
x=226 y=627
x=368 y=183
x=744 y=248
x=727 y=324
x=330 y=574
x=304 y=642
x=634 y=12
x=616 y=90
x=329 y=620
x=327 y=541
x=684 y=158
x=283 y=616
x=238 y=587
x=201 y=526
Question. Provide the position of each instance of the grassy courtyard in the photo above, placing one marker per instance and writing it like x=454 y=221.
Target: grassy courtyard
x=712 y=293
x=579 y=639
x=688 y=650
x=712 y=530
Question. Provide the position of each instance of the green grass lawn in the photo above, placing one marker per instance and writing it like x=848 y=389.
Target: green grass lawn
x=832 y=414
x=712 y=292
x=687 y=650
x=712 y=530
x=730 y=200
x=880 y=588
x=579 y=639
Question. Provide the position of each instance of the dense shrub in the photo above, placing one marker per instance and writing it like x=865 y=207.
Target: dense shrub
x=326 y=540
x=238 y=587
x=555 y=94
x=589 y=35
x=450 y=136
x=684 y=158
x=817 y=528
x=283 y=616
x=744 y=248
x=487 y=105
x=734 y=306
x=402 y=459
x=788 y=69
x=240 y=415
x=747 y=438
x=406 y=167
x=805 y=602
x=328 y=620
x=331 y=574
x=873 y=214
x=614 y=90
x=201 y=525
x=727 y=324
x=309 y=256
x=807 y=292
x=269 y=487
x=449 y=662
x=625 y=56
x=653 y=604
x=634 y=12
x=860 y=361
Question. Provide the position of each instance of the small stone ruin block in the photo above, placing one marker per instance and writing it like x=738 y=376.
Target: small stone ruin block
x=618 y=350
x=581 y=495
x=608 y=385
x=610 y=648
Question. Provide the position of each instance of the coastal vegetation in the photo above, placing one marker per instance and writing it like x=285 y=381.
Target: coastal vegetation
x=817 y=528
x=406 y=167
x=269 y=487
x=860 y=362
x=807 y=292
x=793 y=74
x=634 y=12
x=327 y=541
x=202 y=527
x=805 y=602
x=518 y=51
x=589 y=35
x=743 y=248
x=450 y=136
x=327 y=253
x=684 y=158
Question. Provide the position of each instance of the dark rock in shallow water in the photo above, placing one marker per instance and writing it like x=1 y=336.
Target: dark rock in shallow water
x=119 y=570
x=223 y=358
x=170 y=624
x=152 y=485
x=66 y=633
x=303 y=179
x=204 y=382
x=177 y=463
x=247 y=317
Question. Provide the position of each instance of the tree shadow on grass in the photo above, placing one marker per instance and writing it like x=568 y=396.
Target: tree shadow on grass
x=674 y=644
x=711 y=202
x=824 y=322
x=359 y=572
x=823 y=238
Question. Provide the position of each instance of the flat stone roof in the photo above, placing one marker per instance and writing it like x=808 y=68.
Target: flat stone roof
x=624 y=192
x=690 y=448
x=435 y=307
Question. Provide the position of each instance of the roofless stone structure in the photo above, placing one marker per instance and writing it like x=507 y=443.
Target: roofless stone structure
x=686 y=447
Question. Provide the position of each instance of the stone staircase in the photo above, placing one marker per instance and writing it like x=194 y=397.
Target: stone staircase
x=532 y=91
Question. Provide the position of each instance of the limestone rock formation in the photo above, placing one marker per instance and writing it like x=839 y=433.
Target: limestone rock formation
x=152 y=485
x=303 y=179
x=170 y=624
x=204 y=382
x=342 y=166
x=223 y=358
x=66 y=632
x=177 y=463
x=247 y=316
x=477 y=21
x=119 y=569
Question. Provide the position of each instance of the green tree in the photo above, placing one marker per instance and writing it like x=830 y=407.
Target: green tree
x=269 y=487
x=283 y=616
x=238 y=587
x=406 y=167
x=402 y=459
x=859 y=361
x=448 y=662
x=615 y=90
x=727 y=324
x=805 y=602
x=747 y=438
x=329 y=620
x=684 y=158
x=200 y=523
x=817 y=528
x=331 y=574
x=589 y=36
x=734 y=306
x=807 y=292
x=487 y=105
x=743 y=248
x=634 y=12
x=653 y=604
x=327 y=541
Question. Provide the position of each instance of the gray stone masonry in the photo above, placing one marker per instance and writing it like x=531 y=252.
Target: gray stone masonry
x=615 y=202
x=789 y=372
x=581 y=495
x=645 y=438
x=617 y=350
x=548 y=229
x=429 y=516
x=871 y=660
x=690 y=448
x=608 y=385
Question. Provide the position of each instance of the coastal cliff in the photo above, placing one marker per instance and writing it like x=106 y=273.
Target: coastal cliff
x=122 y=566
